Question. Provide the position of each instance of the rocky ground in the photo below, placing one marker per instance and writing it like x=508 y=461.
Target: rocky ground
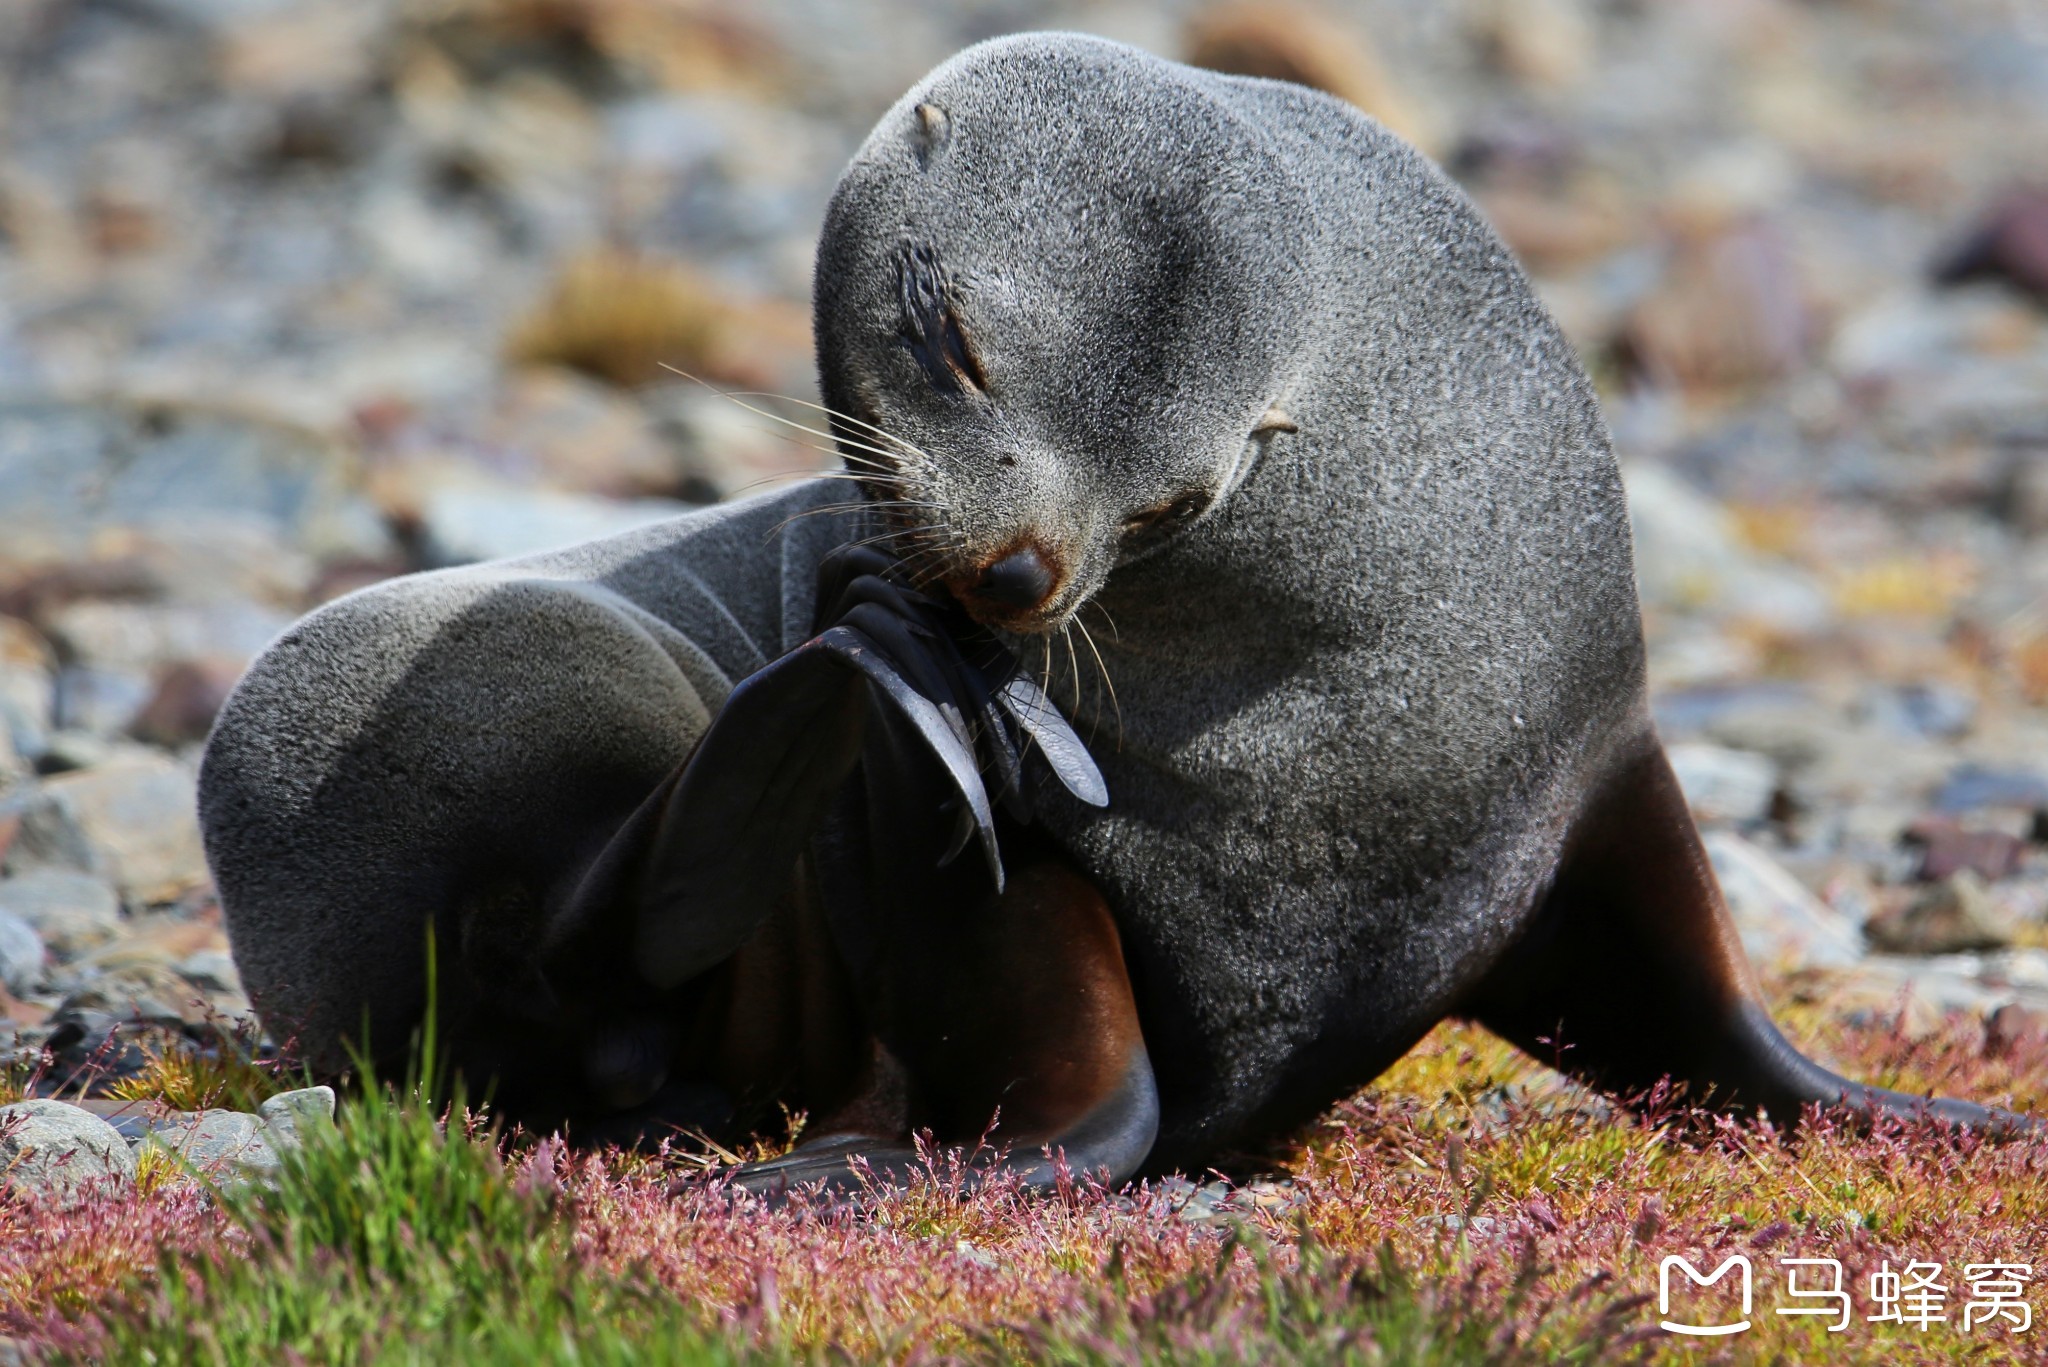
x=298 y=294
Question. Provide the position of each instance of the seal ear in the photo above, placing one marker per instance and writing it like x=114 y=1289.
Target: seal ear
x=931 y=130
x=1274 y=419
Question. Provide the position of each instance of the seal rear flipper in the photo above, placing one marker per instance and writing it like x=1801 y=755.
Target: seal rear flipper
x=1631 y=972
x=1109 y=1141
x=1014 y=1008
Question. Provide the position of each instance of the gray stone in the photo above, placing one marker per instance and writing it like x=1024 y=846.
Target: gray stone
x=71 y=912
x=132 y=820
x=974 y=1255
x=464 y=524
x=1931 y=986
x=1955 y=915
x=289 y=1115
x=2013 y=1029
x=70 y=751
x=223 y=1146
x=134 y=990
x=132 y=1120
x=22 y=958
x=71 y=469
x=99 y=701
x=1688 y=556
x=1928 y=709
x=2025 y=970
x=13 y=764
x=1780 y=921
x=212 y=969
x=133 y=639
x=722 y=447
x=1722 y=784
x=28 y=668
x=60 y=1152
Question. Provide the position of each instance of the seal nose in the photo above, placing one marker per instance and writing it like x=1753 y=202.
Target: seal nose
x=1020 y=581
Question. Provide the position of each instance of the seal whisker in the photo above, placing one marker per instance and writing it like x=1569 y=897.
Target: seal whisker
x=789 y=475
x=925 y=563
x=863 y=505
x=1115 y=633
x=887 y=465
x=855 y=507
x=760 y=412
x=1074 y=667
x=902 y=445
x=882 y=432
x=793 y=476
x=878 y=539
x=1115 y=706
x=860 y=506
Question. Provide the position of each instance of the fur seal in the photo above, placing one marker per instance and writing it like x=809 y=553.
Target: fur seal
x=1217 y=356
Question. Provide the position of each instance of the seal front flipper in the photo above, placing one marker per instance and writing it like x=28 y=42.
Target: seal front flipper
x=959 y=687
x=1015 y=1006
x=1631 y=972
x=709 y=851
x=707 y=854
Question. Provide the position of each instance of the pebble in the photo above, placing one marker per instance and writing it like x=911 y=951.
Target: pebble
x=70 y=469
x=1689 y=552
x=1953 y=915
x=60 y=1153
x=131 y=819
x=212 y=970
x=1724 y=785
x=218 y=1145
x=22 y=957
x=2009 y=242
x=288 y=1115
x=2013 y=1029
x=71 y=912
x=149 y=993
x=468 y=524
x=1932 y=986
x=1971 y=786
x=1781 y=923
x=1948 y=848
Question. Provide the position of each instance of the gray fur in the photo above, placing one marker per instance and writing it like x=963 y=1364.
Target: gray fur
x=1359 y=697
x=432 y=738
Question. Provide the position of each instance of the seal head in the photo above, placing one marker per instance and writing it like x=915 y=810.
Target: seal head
x=1079 y=372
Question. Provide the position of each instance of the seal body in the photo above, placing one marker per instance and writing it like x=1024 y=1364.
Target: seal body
x=1359 y=702
x=1213 y=372
x=467 y=741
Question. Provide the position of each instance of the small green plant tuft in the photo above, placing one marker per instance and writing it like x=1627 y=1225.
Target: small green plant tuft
x=398 y=1235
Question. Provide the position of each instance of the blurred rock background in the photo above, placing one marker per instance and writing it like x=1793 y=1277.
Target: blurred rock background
x=298 y=294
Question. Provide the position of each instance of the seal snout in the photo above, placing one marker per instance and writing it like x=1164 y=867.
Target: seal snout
x=1010 y=587
x=1020 y=581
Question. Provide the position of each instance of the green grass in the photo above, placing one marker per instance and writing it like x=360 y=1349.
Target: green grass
x=403 y=1236
x=396 y=1236
x=1440 y=1225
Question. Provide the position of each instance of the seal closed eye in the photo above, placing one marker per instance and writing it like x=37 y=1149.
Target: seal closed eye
x=930 y=326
